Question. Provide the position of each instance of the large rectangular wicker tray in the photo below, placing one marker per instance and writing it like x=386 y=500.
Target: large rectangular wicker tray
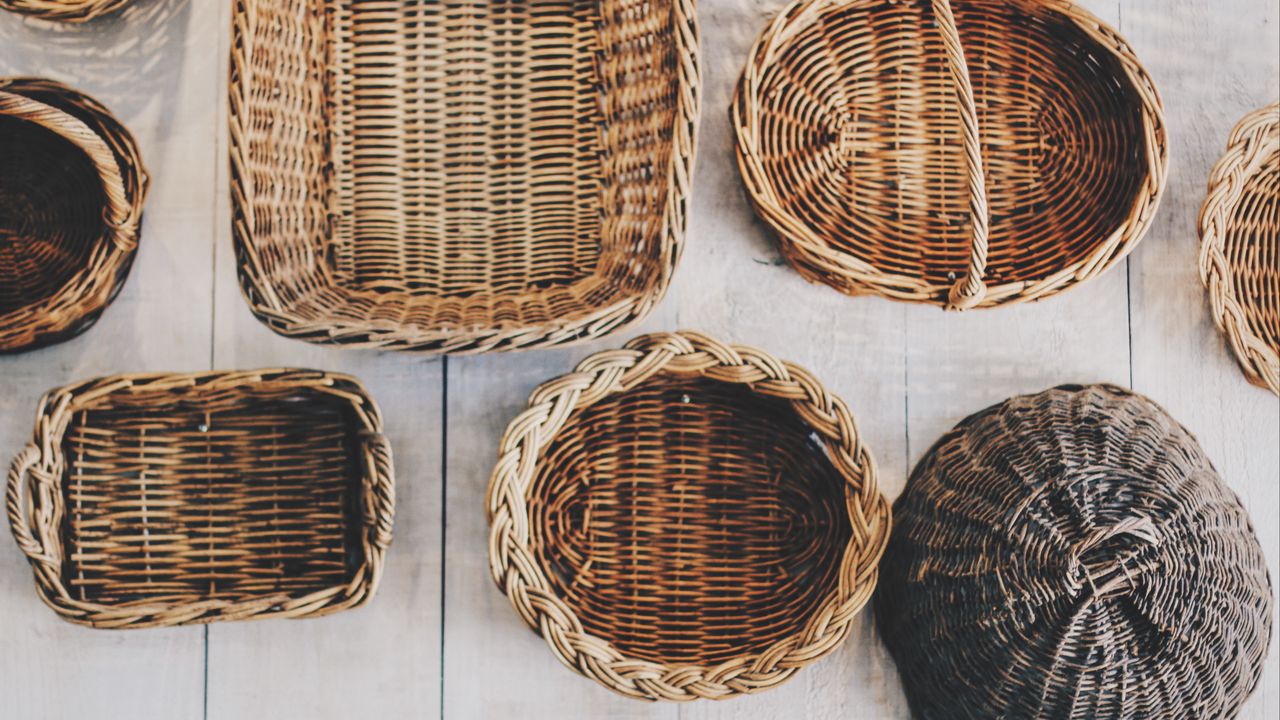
x=148 y=500
x=460 y=177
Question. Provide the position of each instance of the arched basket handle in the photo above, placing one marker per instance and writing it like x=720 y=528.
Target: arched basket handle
x=119 y=214
x=18 y=507
x=969 y=290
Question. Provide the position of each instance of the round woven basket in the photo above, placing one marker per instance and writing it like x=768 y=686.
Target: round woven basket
x=64 y=10
x=1073 y=554
x=71 y=191
x=682 y=519
x=964 y=153
x=1240 y=245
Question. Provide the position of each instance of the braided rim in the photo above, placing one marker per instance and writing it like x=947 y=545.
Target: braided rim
x=258 y=292
x=1252 y=149
x=516 y=571
x=35 y=503
x=71 y=11
x=811 y=255
x=115 y=154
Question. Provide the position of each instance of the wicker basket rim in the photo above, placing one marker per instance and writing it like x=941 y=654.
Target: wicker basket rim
x=258 y=292
x=515 y=570
x=34 y=481
x=68 y=11
x=1253 y=142
x=95 y=284
x=970 y=289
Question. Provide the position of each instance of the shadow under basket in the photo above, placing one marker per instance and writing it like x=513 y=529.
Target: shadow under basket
x=460 y=177
x=962 y=153
x=75 y=11
x=71 y=191
x=154 y=500
x=683 y=519
x=1240 y=245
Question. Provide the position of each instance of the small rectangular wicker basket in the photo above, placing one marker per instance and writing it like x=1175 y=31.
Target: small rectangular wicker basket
x=151 y=500
x=459 y=177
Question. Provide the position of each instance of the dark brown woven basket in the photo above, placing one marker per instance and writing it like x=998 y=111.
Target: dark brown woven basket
x=75 y=11
x=1074 y=554
x=964 y=153
x=460 y=177
x=71 y=191
x=682 y=519
x=150 y=500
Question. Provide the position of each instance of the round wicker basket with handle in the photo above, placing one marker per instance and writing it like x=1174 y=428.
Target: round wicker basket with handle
x=683 y=519
x=75 y=11
x=964 y=153
x=1240 y=245
x=1073 y=554
x=71 y=191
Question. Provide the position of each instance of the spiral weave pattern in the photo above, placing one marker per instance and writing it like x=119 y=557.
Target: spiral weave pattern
x=1240 y=245
x=460 y=177
x=963 y=153
x=684 y=519
x=73 y=11
x=157 y=500
x=1073 y=554
x=71 y=191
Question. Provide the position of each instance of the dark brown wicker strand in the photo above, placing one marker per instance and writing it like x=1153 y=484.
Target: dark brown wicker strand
x=71 y=192
x=155 y=500
x=73 y=11
x=1073 y=555
x=963 y=153
x=682 y=519
x=460 y=177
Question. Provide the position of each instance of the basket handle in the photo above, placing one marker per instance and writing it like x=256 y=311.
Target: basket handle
x=20 y=480
x=969 y=290
x=119 y=214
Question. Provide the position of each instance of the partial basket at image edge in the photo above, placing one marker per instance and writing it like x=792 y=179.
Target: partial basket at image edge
x=683 y=519
x=455 y=178
x=159 y=500
x=73 y=11
x=72 y=186
x=1240 y=245
x=994 y=154
x=1064 y=555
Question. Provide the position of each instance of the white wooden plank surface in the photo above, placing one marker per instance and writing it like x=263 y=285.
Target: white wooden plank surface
x=440 y=640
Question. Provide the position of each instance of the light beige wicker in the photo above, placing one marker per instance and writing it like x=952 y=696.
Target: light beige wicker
x=460 y=177
x=71 y=192
x=993 y=154
x=1240 y=245
x=75 y=11
x=683 y=519
x=151 y=500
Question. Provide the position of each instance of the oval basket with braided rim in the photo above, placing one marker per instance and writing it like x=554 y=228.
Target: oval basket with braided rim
x=1073 y=554
x=964 y=153
x=1240 y=245
x=64 y=10
x=460 y=177
x=155 y=500
x=71 y=191
x=683 y=519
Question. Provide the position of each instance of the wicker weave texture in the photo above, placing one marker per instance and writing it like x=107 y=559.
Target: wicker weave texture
x=460 y=177
x=964 y=153
x=1074 y=554
x=684 y=519
x=75 y=11
x=1240 y=245
x=153 y=500
x=71 y=191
